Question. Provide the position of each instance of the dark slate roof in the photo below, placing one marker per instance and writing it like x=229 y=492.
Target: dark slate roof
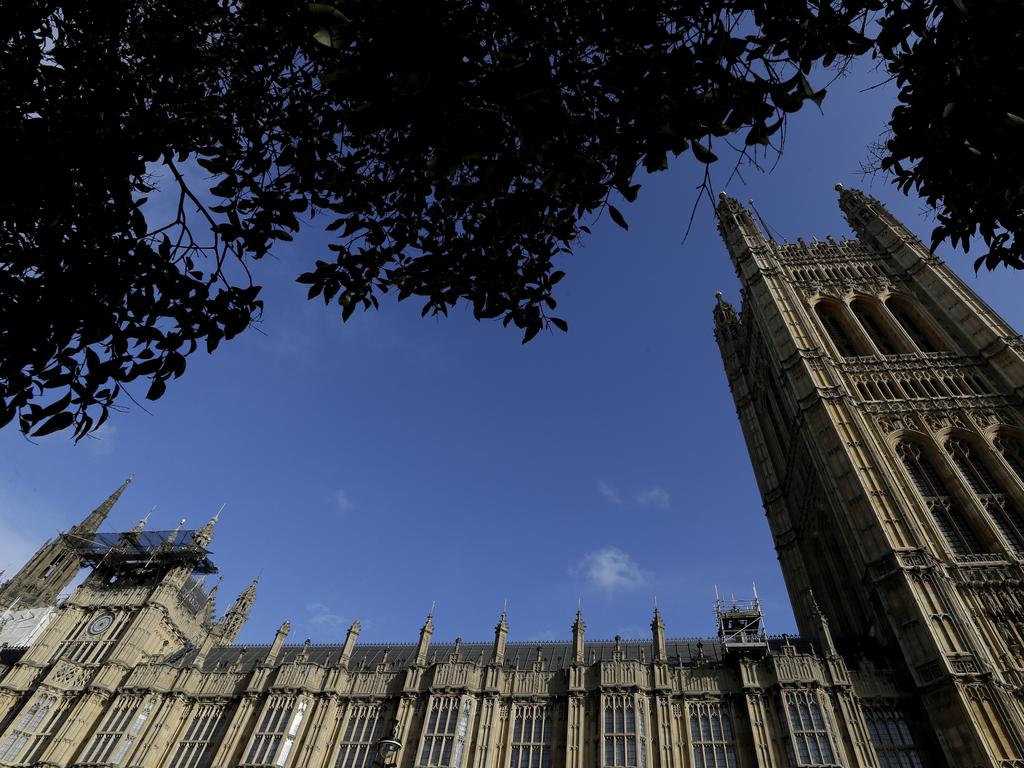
x=518 y=655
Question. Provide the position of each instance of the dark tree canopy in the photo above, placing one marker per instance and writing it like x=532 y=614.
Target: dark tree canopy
x=454 y=148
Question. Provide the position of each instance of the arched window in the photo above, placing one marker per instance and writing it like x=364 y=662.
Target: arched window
x=945 y=510
x=911 y=324
x=828 y=315
x=1011 y=452
x=1001 y=509
x=865 y=314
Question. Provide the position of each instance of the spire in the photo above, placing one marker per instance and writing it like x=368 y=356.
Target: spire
x=658 y=635
x=95 y=519
x=140 y=526
x=425 y=634
x=824 y=633
x=501 y=636
x=578 y=630
x=350 y=643
x=275 y=647
x=204 y=535
x=238 y=614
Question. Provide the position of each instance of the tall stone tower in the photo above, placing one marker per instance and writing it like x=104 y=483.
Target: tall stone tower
x=880 y=400
x=55 y=565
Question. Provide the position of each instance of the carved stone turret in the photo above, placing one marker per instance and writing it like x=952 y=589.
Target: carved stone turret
x=426 y=633
x=500 y=638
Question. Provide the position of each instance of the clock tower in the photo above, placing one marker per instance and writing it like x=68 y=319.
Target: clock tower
x=143 y=603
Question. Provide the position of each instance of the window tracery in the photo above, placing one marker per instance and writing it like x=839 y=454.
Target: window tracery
x=906 y=317
x=1011 y=452
x=203 y=731
x=620 y=733
x=27 y=738
x=945 y=511
x=711 y=736
x=891 y=738
x=1001 y=509
x=833 y=326
x=444 y=734
x=273 y=740
x=364 y=729
x=531 y=737
x=811 y=741
x=119 y=731
x=872 y=326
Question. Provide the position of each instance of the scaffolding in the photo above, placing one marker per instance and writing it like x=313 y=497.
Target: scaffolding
x=141 y=550
x=740 y=624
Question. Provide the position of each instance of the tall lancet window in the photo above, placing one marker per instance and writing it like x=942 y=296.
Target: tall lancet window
x=363 y=730
x=275 y=736
x=31 y=732
x=531 y=737
x=865 y=314
x=622 y=725
x=711 y=737
x=811 y=742
x=1011 y=452
x=891 y=738
x=946 y=512
x=828 y=314
x=1001 y=509
x=198 y=743
x=911 y=324
x=444 y=734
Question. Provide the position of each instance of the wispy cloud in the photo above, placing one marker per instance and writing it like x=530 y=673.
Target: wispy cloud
x=610 y=568
x=654 y=497
x=343 y=501
x=610 y=494
x=323 y=616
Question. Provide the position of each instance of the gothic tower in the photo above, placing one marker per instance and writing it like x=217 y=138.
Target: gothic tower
x=880 y=400
x=55 y=565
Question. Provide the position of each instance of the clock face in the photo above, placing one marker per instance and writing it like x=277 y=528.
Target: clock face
x=101 y=624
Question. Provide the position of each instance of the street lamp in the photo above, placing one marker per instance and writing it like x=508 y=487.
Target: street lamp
x=386 y=748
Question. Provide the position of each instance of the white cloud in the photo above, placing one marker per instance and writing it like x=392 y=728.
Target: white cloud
x=322 y=616
x=610 y=568
x=608 y=492
x=654 y=497
x=343 y=501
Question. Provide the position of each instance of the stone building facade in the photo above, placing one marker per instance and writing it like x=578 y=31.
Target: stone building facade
x=880 y=401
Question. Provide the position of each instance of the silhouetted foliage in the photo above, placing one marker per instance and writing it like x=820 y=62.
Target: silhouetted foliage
x=455 y=148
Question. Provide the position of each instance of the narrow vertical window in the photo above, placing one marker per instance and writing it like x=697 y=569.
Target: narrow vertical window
x=945 y=511
x=1011 y=452
x=834 y=328
x=711 y=736
x=203 y=733
x=1000 y=507
x=440 y=733
x=620 y=746
x=869 y=322
x=280 y=718
x=531 y=737
x=811 y=741
x=363 y=731
x=29 y=736
x=891 y=738
x=911 y=325
x=121 y=722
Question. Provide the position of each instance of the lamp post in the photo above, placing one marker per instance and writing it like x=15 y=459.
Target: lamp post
x=389 y=747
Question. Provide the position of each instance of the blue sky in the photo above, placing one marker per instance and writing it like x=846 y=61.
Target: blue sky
x=372 y=467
